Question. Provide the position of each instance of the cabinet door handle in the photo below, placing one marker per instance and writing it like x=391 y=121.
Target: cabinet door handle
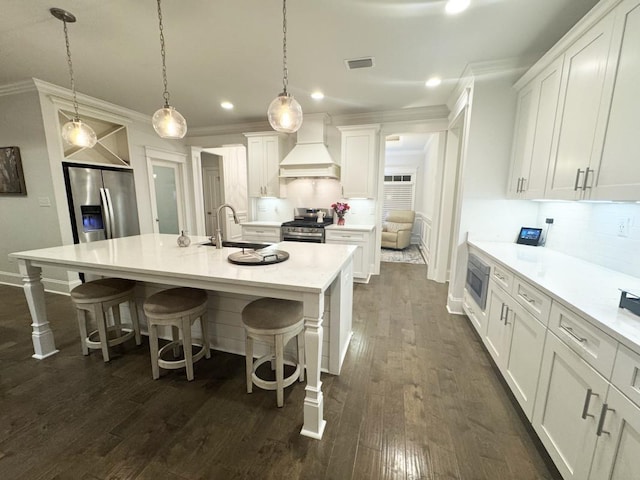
x=570 y=331
x=603 y=414
x=587 y=401
x=586 y=178
x=506 y=317
x=502 y=312
x=522 y=189
x=518 y=185
x=575 y=187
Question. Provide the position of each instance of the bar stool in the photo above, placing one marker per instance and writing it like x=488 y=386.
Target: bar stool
x=274 y=321
x=178 y=308
x=98 y=297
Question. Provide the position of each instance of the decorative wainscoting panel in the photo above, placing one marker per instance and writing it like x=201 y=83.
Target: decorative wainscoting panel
x=421 y=234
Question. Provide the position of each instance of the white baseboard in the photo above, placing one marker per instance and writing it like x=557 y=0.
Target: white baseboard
x=454 y=305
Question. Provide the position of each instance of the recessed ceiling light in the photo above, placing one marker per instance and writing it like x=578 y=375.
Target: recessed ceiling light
x=317 y=95
x=456 y=6
x=227 y=105
x=433 y=82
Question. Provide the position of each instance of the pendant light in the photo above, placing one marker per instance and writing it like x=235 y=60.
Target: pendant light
x=167 y=122
x=75 y=132
x=285 y=113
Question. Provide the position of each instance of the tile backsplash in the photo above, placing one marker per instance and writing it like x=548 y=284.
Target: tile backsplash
x=314 y=192
x=607 y=234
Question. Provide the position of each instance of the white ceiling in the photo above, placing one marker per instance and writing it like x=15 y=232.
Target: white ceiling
x=232 y=50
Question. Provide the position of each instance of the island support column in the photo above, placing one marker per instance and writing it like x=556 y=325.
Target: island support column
x=314 y=422
x=44 y=344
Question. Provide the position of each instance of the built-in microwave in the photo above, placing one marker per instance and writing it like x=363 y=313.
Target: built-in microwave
x=477 y=283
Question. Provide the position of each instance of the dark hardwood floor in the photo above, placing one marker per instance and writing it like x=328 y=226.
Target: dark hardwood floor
x=418 y=399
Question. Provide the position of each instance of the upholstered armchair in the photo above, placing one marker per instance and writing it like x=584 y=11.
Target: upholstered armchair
x=396 y=229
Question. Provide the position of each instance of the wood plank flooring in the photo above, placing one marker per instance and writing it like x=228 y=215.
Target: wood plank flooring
x=418 y=399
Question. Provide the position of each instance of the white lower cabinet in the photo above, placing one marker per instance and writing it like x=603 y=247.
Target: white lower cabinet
x=359 y=238
x=568 y=406
x=578 y=385
x=617 y=455
x=474 y=312
x=515 y=340
x=253 y=233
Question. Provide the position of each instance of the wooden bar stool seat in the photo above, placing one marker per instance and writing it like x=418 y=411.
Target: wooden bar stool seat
x=274 y=321
x=178 y=308
x=97 y=298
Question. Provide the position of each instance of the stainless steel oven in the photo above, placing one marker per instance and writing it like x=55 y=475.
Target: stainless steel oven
x=478 y=280
x=307 y=226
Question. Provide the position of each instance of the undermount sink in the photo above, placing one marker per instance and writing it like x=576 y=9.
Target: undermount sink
x=239 y=244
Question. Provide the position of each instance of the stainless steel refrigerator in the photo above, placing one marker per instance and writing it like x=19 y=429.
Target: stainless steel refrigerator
x=102 y=202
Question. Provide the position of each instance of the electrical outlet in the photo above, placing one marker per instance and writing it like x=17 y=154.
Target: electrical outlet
x=623 y=227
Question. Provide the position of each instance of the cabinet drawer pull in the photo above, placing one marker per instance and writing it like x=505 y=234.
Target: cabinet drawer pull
x=587 y=401
x=570 y=331
x=499 y=276
x=603 y=414
x=530 y=300
x=575 y=187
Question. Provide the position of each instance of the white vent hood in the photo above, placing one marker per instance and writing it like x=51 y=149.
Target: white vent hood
x=310 y=157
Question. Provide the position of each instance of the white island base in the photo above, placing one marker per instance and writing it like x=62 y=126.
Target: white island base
x=319 y=275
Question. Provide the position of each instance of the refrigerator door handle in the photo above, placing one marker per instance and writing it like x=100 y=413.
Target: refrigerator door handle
x=112 y=220
x=106 y=216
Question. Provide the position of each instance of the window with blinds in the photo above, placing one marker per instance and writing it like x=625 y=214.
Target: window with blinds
x=399 y=193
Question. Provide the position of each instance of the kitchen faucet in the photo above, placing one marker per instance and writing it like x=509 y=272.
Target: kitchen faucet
x=219 y=230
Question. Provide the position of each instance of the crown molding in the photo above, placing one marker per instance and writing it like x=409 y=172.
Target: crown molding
x=435 y=113
x=407 y=115
x=17 y=88
x=260 y=126
x=63 y=97
x=597 y=13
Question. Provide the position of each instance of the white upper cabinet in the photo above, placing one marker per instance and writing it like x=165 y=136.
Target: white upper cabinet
x=618 y=175
x=576 y=149
x=537 y=108
x=264 y=153
x=359 y=161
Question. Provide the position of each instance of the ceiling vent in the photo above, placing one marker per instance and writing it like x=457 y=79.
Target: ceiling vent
x=354 y=63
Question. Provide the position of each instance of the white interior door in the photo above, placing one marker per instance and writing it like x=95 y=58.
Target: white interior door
x=167 y=190
x=212 y=197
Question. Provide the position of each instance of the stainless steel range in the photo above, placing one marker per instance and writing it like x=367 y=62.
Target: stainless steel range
x=307 y=226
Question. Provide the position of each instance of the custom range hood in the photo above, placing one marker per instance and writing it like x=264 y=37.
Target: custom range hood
x=310 y=157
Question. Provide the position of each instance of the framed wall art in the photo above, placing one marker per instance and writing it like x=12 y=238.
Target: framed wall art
x=11 y=175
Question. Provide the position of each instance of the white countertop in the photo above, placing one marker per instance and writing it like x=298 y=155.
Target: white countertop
x=259 y=223
x=589 y=289
x=354 y=228
x=311 y=267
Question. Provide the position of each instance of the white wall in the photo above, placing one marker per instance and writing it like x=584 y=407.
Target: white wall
x=590 y=231
x=24 y=224
x=485 y=213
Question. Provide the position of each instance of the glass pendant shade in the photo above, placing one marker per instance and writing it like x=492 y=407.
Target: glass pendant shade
x=285 y=114
x=168 y=123
x=78 y=134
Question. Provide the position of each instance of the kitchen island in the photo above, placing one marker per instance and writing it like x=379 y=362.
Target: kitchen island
x=313 y=273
